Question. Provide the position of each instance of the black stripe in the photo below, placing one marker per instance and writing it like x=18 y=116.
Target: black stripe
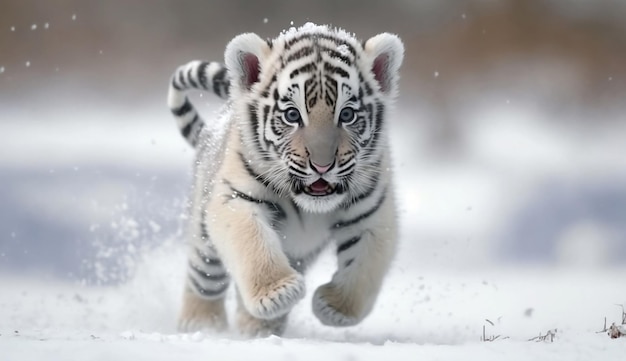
x=310 y=89
x=244 y=196
x=331 y=85
x=205 y=292
x=338 y=41
x=175 y=84
x=348 y=262
x=362 y=196
x=377 y=124
x=360 y=217
x=190 y=78
x=266 y=112
x=208 y=276
x=310 y=67
x=265 y=93
x=265 y=118
x=183 y=109
x=368 y=192
x=296 y=39
x=299 y=163
x=300 y=53
x=254 y=123
x=181 y=79
x=346 y=170
x=326 y=36
x=368 y=88
x=337 y=55
x=330 y=90
x=259 y=178
x=219 y=82
x=348 y=244
x=297 y=187
x=201 y=74
x=187 y=128
x=336 y=70
x=329 y=100
x=297 y=171
x=341 y=188
x=380 y=113
x=213 y=262
x=266 y=142
x=278 y=212
x=204 y=230
x=276 y=127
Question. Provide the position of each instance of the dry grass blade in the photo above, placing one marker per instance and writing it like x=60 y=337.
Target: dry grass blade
x=549 y=336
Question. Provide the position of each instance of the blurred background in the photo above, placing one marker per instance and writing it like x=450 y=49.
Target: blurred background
x=509 y=135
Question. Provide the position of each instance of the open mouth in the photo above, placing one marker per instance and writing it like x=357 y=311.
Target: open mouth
x=319 y=188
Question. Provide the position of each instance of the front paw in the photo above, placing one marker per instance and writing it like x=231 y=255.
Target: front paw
x=277 y=298
x=334 y=308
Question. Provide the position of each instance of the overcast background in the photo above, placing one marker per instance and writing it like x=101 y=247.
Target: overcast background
x=509 y=136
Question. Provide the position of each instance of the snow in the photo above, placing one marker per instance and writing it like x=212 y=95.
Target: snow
x=420 y=315
x=450 y=276
x=310 y=27
x=343 y=50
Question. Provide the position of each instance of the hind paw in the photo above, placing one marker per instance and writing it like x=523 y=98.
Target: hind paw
x=202 y=315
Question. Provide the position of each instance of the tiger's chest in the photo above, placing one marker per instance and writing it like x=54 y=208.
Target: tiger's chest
x=303 y=234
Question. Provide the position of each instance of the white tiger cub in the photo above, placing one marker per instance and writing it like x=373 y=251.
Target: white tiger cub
x=303 y=161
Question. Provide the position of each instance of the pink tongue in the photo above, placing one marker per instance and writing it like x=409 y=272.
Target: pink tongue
x=319 y=185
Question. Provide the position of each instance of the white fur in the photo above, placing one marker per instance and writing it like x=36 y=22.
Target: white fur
x=255 y=249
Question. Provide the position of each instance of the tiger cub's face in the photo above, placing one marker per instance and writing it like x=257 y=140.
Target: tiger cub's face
x=314 y=108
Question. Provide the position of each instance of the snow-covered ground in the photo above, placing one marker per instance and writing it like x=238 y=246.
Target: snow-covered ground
x=92 y=256
x=420 y=316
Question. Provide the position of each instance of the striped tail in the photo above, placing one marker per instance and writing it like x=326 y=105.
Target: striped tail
x=198 y=75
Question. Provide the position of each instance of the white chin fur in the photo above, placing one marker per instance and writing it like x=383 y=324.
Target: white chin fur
x=319 y=204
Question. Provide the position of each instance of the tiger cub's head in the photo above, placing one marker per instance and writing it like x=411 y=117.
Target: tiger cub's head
x=311 y=106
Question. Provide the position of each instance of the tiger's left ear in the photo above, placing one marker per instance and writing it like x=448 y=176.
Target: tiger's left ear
x=386 y=51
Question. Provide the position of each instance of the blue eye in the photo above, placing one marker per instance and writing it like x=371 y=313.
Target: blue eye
x=292 y=115
x=347 y=115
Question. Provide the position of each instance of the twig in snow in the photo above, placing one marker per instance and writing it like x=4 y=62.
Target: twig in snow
x=549 y=336
x=492 y=338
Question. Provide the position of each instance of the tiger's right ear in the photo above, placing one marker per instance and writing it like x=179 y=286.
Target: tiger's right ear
x=243 y=57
